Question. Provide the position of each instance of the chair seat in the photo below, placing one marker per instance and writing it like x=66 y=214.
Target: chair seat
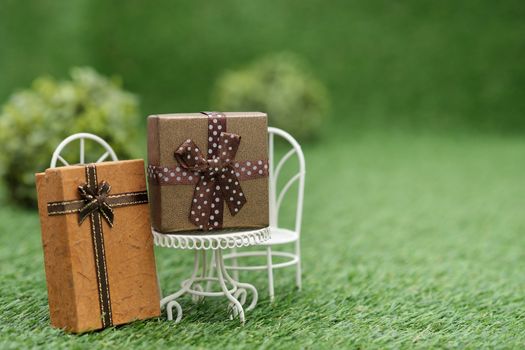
x=281 y=236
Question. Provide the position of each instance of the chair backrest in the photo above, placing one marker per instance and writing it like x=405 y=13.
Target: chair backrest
x=276 y=197
x=82 y=137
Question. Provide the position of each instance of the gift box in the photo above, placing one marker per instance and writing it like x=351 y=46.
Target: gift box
x=208 y=171
x=98 y=246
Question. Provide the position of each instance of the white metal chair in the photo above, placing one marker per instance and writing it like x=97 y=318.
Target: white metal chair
x=279 y=235
x=82 y=137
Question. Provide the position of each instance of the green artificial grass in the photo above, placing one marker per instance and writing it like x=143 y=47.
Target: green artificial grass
x=408 y=241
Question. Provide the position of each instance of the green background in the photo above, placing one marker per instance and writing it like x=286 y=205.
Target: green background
x=425 y=64
x=413 y=219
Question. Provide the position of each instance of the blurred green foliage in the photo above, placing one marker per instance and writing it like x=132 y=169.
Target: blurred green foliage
x=35 y=120
x=280 y=85
x=424 y=64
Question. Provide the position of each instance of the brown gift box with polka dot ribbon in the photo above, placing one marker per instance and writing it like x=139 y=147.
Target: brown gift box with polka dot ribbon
x=208 y=171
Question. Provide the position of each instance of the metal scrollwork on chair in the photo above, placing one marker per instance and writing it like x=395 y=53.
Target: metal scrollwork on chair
x=82 y=155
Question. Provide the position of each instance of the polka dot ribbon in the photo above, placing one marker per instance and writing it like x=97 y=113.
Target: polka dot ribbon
x=215 y=173
x=217 y=182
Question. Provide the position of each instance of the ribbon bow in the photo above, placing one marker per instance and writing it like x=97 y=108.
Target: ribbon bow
x=95 y=199
x=217 y=183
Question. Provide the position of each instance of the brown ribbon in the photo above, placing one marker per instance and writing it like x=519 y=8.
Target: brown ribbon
x=216 y=175
x=217 y=181
x=96 y=202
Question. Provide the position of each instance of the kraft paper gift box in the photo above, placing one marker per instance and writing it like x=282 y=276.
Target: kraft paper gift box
x=98 y=246
x=208 y=171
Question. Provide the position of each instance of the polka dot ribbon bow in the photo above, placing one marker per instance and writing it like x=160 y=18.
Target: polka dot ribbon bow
x=218 y=182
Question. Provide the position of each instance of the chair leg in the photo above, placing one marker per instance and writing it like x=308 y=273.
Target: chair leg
x=234 y=264
x=211 y=272
x=298 y=268
x=270 y=272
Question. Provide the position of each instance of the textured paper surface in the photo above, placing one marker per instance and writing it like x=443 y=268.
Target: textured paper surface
x=170 y=204
x=68 y=251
